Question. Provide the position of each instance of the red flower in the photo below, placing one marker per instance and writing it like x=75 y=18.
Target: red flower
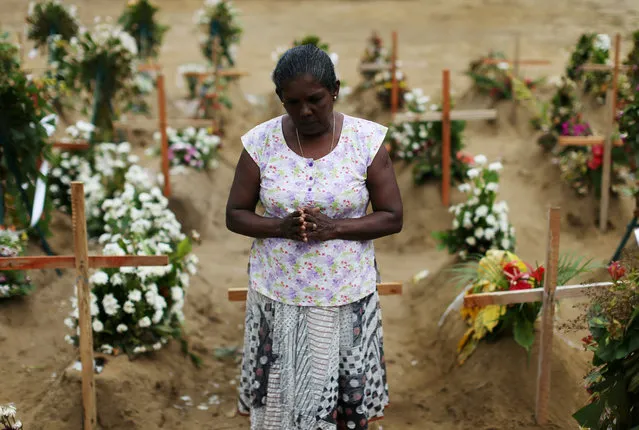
x=588 y=340
x=518 y=280
x=538 y=275
x=594 y=163
x=597 y=151
x=616 y=270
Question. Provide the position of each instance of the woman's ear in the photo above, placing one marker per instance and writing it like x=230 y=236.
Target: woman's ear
x=337 y=86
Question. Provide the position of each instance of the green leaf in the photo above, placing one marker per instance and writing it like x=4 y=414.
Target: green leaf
x=524 y=332
x=183 y=249
x=589 y=415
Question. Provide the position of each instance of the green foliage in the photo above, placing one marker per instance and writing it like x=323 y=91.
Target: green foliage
x=219 y=19
x=314 y=40
x=139 y=21
x=633 y=61
x=9 y=55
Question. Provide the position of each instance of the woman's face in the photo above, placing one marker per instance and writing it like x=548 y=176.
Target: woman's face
x=309 y=104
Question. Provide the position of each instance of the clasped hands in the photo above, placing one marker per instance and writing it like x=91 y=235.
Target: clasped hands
x=308 y=224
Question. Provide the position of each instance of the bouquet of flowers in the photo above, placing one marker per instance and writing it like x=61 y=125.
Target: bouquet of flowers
x=138 y=19
x=196 y=149
x=219 y=19
x=633 y=61
x=374 y=53
x=184 y=75
x=13 y=282
x=8 y=419
x=613 y=382
x=136 y=310
x=493 y=77
x=420 y=142
x=564 y=107
x=106 y=62
x=48 y=23
x=591 y=48
x=481 y=223
x=24 y=128
x=500 y=270
x=383 y=83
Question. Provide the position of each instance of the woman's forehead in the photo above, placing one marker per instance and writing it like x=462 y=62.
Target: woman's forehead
x=302 y=85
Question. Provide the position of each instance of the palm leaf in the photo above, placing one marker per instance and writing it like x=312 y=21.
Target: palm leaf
x=571 y=266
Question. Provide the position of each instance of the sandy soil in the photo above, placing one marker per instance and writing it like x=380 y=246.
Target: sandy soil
x=495 y=389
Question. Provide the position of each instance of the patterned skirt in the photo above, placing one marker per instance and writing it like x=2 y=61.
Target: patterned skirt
x=310 y=368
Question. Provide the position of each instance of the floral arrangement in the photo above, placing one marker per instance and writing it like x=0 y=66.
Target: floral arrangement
x=13 y=282
x=190 y=148
x=633 y=61
x=219 y=18
x=500 y=270
x=138 y=19
x=613 y=382
x=106 y=65
x=374 y=53
x=8 y=419
x=192 y=82
x=591 y=48
x=49 y=22
x=419 y=142
x=481 y=223
x=494 y=77
x=383 y=84
x=25 y=125
x=564 y=107
x=136 y=310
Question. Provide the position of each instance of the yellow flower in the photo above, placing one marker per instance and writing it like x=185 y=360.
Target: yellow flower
x=487 y=319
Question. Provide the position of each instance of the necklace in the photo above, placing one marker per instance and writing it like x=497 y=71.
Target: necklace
x=332 y=139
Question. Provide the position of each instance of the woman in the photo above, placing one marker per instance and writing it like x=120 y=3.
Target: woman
x=313 y=352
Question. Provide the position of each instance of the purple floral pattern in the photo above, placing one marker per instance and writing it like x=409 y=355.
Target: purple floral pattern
x=331 y=273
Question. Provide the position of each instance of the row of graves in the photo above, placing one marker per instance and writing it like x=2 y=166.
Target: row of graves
x=141 y=276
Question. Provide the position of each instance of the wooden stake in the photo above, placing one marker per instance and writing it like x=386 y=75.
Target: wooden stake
x=615 y=76
x=607 y=162
x=384 y=289
x=446 y=137
x=394 y=83
x=84 y=304
x=513 y=114
x=547 y=316
x=164 y=137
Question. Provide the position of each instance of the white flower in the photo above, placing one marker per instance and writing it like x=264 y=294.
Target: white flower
x=491 y=220
x=481 y=211
x=503 y=65
x=97 y=326
x=69 y=322
x=489 y=234
x=471 y=241
x=129 y=307
x=492 y=186
x=110 y=304
x=455 y=224
x=464 y=188
x=116 y=279
x=121 y=328
x=479 y=232
x=480 y=159
x=177 y=293
x=8 y=411
x=135 y=295
x=157 y=346
x=602 y=42
x=139 y=349
x=107 y=349
x=145 y=322
x=496 y=166
x=505 y=244
x=68 y=339
x=33 y=53
x=99 y=278
x=473 y=173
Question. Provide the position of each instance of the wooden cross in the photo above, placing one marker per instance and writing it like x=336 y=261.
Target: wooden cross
x=615 y=69
x=608 y=143
x=446 y=116
x=547 y=295
x=81 y=261
x=516 y=62
x=383 y=289
x=161 y=122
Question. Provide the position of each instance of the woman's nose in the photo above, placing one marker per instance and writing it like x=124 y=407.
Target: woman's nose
x=306 y=110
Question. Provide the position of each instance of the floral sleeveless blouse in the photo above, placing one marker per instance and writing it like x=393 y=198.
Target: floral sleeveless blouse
x=330 y=273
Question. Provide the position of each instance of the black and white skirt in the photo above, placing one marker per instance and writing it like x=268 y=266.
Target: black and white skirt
x=310 y=368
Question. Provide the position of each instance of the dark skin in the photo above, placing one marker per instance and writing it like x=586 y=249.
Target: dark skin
x=310 y=109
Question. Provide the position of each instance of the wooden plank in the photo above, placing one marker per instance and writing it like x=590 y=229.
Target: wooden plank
x=521 y=62
x=455 y=115
x=607 y=161
x=446 y=137
x=68 y=261
x=164 y=138
x=79 y=145
x=84 y=304
x=516 y=64
x=547 y=317
x=615 y=77
x=603 y=68
x=394 y=83
x=585 y=141
x=527 y=296
x=383 y=289
x=148 y=67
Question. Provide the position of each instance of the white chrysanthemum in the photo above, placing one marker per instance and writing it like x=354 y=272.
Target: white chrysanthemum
x=135 y=295
x=145 y=322
x=505 y=243
x=479 y=232
x=69 y=322
x=492 y=186
x=481 y=211
x=495 y=166
x=471 y=241
x=110 y=304
x=99 y=278
x=121 y=328
x=473 y=173
x=97 y=326
x=480 y=159
x=128 y=307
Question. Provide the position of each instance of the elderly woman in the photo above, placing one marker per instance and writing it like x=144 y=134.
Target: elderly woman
x=313 y=350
